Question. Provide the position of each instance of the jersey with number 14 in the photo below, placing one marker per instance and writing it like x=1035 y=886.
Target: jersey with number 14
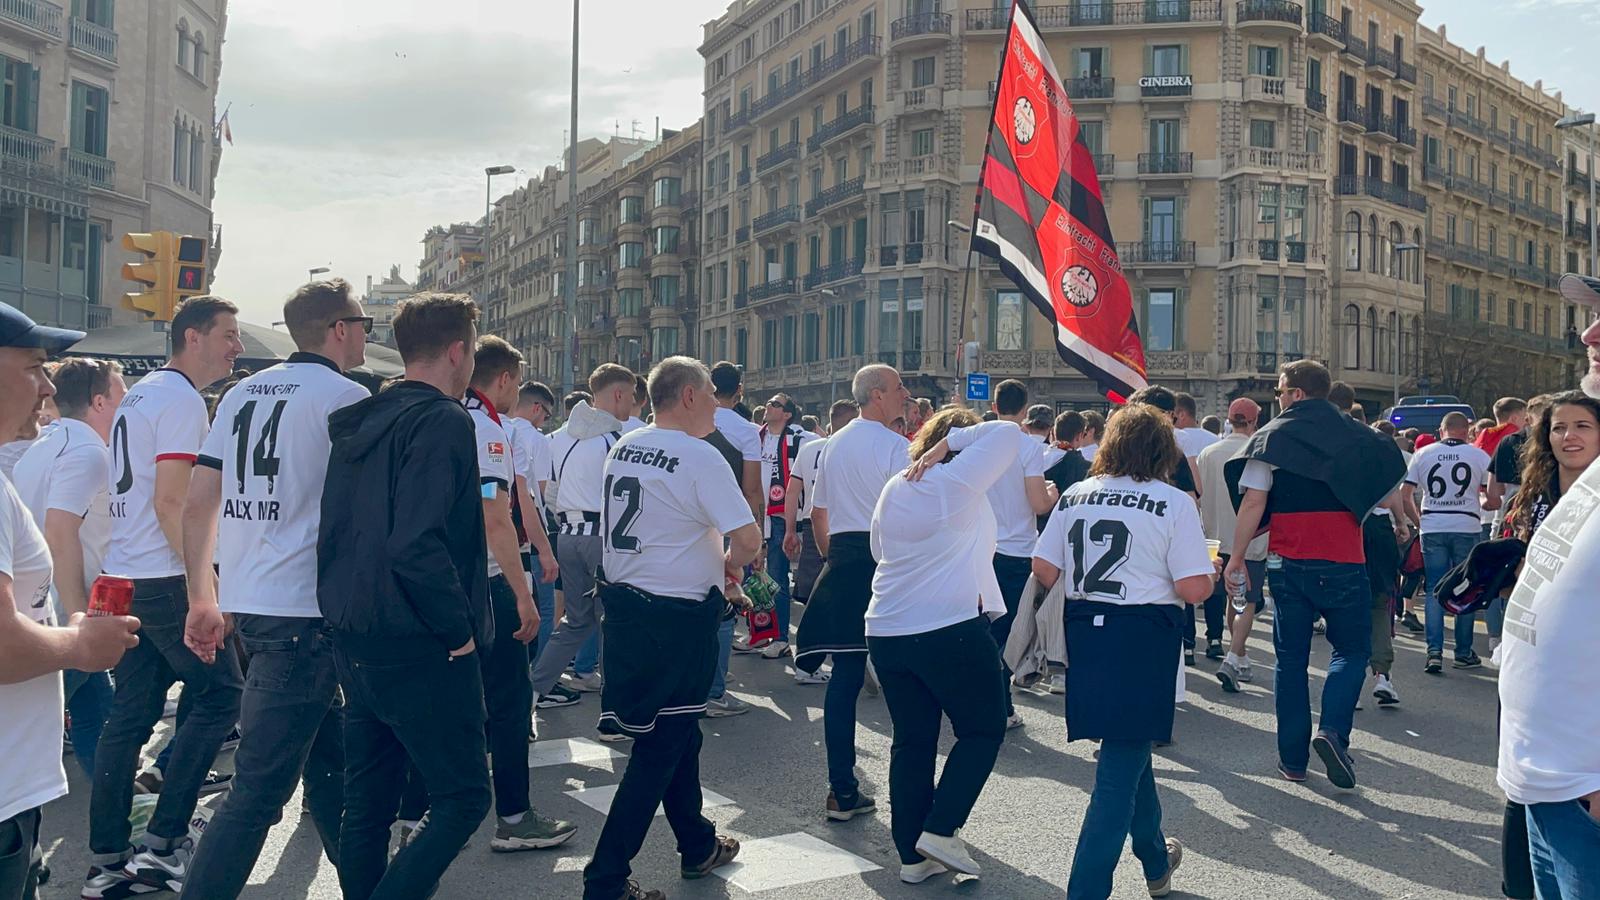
x=270 y=439
x=669 y=499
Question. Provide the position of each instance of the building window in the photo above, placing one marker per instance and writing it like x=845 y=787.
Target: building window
x=836 y=331
x=1168 y=60
x=1352 y=336
x=1263 y=133
x=197 y=155
x=664 y=342
x=664 y=239
x=1267 y=214
x=20 y=105
x=180 y=152
x=630 y=254
x=1093 y=136
x=631 y=210
x=858 y=327
x=1008 y=321
x=199 y=69
x=1352 y=242
x=630 y=302
x=89 y=118
x=810 y=338
x=667 y=191
x=922 y=142
x=664 y=291
x=1161 y=319
x=922 y=72
x=185 y=49
x=1264 y=61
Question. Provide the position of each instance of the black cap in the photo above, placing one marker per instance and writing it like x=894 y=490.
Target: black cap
x=1577 y=288
x=1041 y=416
x=725 y=378
x=17 y=330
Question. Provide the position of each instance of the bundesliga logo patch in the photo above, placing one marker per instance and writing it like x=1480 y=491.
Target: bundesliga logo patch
x=496 y=448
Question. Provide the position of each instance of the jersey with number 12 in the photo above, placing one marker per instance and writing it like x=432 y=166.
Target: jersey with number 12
x=270 y=439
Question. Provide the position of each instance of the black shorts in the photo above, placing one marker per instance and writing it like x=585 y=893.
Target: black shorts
x=1383 y=555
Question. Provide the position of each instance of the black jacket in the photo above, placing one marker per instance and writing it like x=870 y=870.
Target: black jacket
x=401 y=555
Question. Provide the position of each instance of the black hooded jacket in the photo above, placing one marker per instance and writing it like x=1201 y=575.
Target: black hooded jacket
x=401 y=555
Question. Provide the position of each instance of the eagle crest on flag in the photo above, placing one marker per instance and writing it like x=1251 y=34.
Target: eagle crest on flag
x=1041 y=217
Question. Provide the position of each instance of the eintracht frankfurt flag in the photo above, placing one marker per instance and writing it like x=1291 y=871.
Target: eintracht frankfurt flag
x=1041 y=217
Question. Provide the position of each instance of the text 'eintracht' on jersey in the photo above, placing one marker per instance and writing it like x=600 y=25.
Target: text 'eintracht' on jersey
x=1117 y=540
x=1447 y=476
x=162 y=417
x=669 y=499
x=270 y=440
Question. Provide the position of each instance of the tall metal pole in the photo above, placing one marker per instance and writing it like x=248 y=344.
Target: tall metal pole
x=569 y=320
x=488 y=210
x=1400 y=265
x=1594 y=220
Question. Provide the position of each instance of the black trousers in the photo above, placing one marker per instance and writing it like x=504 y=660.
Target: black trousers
x=426 y=709
x=1012 y=572
x=954 y=671
x=20 y=859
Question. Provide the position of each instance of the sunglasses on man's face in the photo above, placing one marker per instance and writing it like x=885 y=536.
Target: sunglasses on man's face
x=366 y=322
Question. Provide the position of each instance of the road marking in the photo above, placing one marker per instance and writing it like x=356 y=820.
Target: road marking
x=767 y=864
x=599 y=798
x=573 y=751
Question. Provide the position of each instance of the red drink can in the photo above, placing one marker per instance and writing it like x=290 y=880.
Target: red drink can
x=111 y=596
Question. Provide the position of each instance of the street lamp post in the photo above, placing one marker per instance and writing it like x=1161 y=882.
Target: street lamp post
x=488 y=210
x=569 y=320
x=961 y=320
x=319 y=270
x=1586 y=122
x=1399 y=251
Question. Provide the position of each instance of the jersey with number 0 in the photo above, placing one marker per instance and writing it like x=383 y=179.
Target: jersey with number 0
x=162 y=417
x=669 y=499
x=270 y=439
x=1117 y=540
x=1447 y=476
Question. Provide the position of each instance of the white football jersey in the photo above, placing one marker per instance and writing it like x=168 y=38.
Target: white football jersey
x=270 y=440
x=669 y=499
x=1447 y=476
x=67 y=469
x=1117 y=540
x=805 y=469
x=497 y=471
x=162 y=417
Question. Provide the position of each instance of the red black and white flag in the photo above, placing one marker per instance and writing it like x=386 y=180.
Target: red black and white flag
x=1041 y=216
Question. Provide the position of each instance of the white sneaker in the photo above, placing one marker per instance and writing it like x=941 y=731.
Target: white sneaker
x=1385 y=692
x=801 y=676
x=743 y=645
x=725 y=706
x=951 y=852
x=165 y=871
x=1058 y=683
x=775 y=650
x=1493 y=661
x=1013 y=721
x=588 y=684
x=917 y=873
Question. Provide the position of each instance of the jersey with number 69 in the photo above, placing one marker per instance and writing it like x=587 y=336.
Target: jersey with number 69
x=1117 y=540
x=1447 y=476
x=669 y=499
x=162 y=418
x=270 y=439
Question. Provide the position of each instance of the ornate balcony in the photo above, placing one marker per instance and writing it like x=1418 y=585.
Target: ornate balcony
x=1377 y=188
x=919 y=28
x=777 y=156
x=837 y=194
x=1316 y=101
x=1093 y=14
x=25 y=146
x=89 y=168
x=1259 y=88
x=1156 y=253
x=1269 y=14
x=1325 y=31
x=94 y=41
x=786 y=215
x=1166 y=164
x=1382 y=61
x=39 y=17
x=772 y=290
x=1087 y=88
x=840 y=126
x=835 y=271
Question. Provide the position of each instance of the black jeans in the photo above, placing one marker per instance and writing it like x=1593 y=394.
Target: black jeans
x=142 y=679
x=1012 y=572
x=924 y=677
x=400 y=706
x=291 y=725
x=1213 y=610
x=508 y=700
x=664 y=770
x=20 y=859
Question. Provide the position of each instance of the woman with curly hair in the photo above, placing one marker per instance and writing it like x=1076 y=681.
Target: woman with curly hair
x=1561 y=445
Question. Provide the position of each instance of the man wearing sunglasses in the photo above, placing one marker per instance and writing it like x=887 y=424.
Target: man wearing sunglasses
x=255 y=498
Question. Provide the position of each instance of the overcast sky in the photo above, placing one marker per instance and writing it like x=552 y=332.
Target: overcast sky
x=359 y=123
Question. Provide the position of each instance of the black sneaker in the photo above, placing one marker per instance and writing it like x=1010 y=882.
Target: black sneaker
x=1214 y=650
x=1341 y=769
x=1188 y=657
x=558 y=697
x=231 y=742
x=1409 y=621
x=860 y=805
x=1470 y=661
x=215 y=783
x=1435 y=664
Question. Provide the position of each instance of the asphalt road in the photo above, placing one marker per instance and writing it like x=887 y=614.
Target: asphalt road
x=1423 y=824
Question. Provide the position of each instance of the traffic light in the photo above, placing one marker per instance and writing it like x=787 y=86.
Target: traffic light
x=191 y=278
x=157 y=298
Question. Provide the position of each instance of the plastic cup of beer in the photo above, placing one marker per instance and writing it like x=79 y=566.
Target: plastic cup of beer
x=1214 y=548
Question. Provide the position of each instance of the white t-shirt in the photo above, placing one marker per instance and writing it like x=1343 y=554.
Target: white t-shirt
x=1126 y=542
x=1193 y=440
x=742 y=433
x=270 y=439
x=1217 y=513
x=1016 y=524
x=530 y=456
x=805 y=469
x=162 y=417
x=670 y=498
x=10 y=452
x=30 y=711
x=1088 y=451
x=1548 y=664
x=1447 y=476
x=858 y=461
x=497 y=471
x=67 y=468
x=633 y=423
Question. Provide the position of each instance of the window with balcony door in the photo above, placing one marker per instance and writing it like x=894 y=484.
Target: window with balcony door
x=835 y=330
x=1294 y=221
x=1161 y=229
x=1263 y=134
x=890 y=236
x=888 y=315
x=922 y=72
x=810 y=338
x=1161 y=319
x=19 y=103
x=1008 y=321
x=1164 y=137
x=1264 y=61
x=1093 y=135
x=89 y=105
x=1090 y=62
x=922 y=142
x=916 y=225
x=1352 y=242
x=1168 y=60
x=1267 y=315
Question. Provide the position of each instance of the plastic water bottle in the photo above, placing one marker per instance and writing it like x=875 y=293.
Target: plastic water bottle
x=1237 y=591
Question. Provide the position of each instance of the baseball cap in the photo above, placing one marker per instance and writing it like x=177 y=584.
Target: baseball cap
x=1244 y=409
x=17 y=330
x=1424 y=440
x=1041 y=416
x=1577 y=288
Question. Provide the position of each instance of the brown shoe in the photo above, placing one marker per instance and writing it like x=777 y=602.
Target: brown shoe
x=634 y=892
x=724 y=852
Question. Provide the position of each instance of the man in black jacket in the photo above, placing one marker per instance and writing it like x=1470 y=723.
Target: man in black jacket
x=402 y=578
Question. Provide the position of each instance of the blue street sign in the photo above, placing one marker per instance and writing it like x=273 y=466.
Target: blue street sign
x=978 y=386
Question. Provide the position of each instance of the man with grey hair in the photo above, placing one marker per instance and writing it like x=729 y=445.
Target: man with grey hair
x=855 y=465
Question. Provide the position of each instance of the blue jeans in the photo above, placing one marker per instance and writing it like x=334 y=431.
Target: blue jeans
x=1123 y=803
x=839 y=723
x=544 y=597
x=1564 y=842
x=1342 y=595
x=778 y=568
x=292 y=730
x=719 y=681
x=1442 y=552
x=89 y=702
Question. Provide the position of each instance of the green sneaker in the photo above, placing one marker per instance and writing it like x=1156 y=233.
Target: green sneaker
x=534 y=832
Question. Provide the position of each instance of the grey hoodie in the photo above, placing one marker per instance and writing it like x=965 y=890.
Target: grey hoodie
x=578 y=453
